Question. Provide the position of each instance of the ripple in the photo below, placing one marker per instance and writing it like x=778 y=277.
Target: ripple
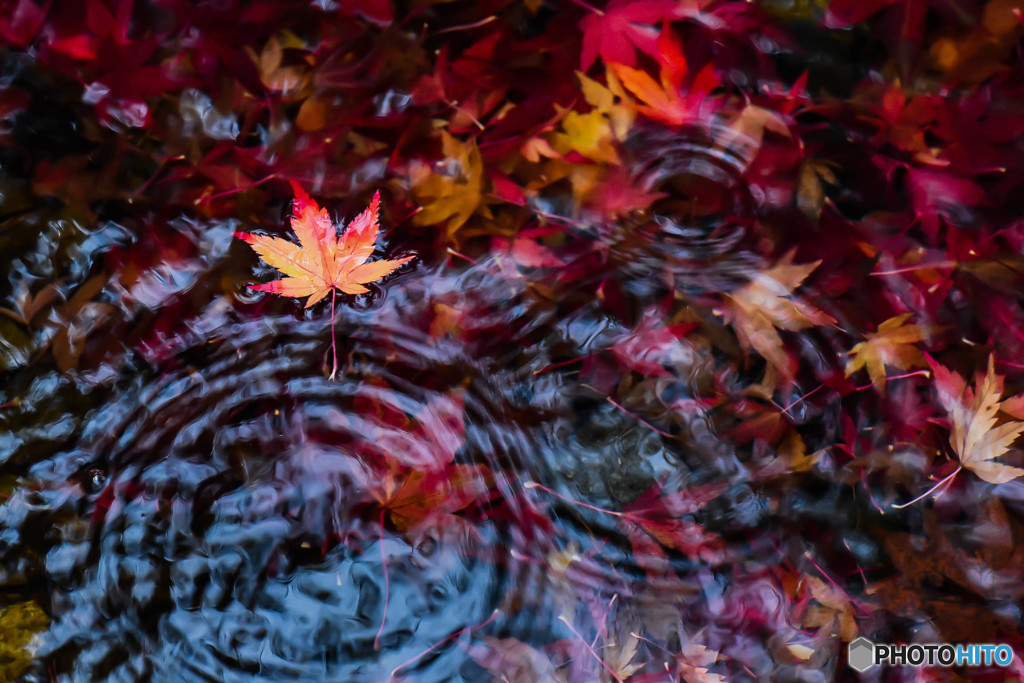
x=221 y=502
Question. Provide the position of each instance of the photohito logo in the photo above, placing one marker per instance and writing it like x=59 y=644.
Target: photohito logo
x=863 y=654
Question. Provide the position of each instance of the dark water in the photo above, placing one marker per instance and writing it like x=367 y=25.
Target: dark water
x=186 y=496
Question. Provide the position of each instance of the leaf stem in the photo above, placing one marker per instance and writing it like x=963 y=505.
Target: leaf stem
x=334 y=343
x=535 y=485
x=638 y=418
x=590 y=649
x=918 y=266
x=468 y=629
x=945 y=480
x=387 y=583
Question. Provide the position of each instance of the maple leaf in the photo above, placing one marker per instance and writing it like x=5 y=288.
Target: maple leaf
x=454 y=190
x=758 y=308
x=412 y=497
x=323 y=262
x=893 y=345
x=514 y=660
x=656 y=520
x=619 y=654
x=652 y=345
x=974 y=435
x=902 y=26
x=663 y=101
x=612 y=101
x=624 y=27
x=693 y=661
x=794 y=452
x=833 y=610
x=810 y=195
x=745 y=132
x=594 y=133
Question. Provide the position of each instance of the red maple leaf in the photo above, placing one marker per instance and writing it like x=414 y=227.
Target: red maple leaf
x=652 y=345
x=623 y=27
x=661 y=517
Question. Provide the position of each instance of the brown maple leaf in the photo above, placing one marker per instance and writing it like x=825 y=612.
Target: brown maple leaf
x=758 y=308
x=974 y=435
x=323 y=262
x=892 y=344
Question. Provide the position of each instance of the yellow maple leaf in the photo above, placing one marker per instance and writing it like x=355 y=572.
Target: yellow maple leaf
x=612 y=101
x=833 y=611
x=454 y=190
x=757 y=310
x=794 y=451
x=589 y=134
x=893 y=345
x=593 y=134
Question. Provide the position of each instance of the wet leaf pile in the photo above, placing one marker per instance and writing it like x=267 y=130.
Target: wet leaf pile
x=699 y=352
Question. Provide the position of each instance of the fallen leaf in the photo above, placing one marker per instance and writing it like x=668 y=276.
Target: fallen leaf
x=412 y=496
x=612 y=101
x=589 y=134
x=974 y=435
x=810 y=191
x=744 y=135
x=693 y=661
x=893 y=345
x=653 y=345
x=800 y=651
x=453 y=190
x=623 y=28
x=287 y=80
x=322 y=262
x=19 y=624
x=662 y=100
x=513 y=660
x=794 y=451
x=757 y=309
x=619 y=656
x=661 y=517
x=833 y=610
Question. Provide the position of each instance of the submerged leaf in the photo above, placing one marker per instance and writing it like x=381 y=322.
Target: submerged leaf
x=453 y=191
x=677 y=97
x=974 y=435
x=757 y=309
x=893 y=345
x=18 y=624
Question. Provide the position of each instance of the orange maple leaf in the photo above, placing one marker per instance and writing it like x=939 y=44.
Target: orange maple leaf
x=669 y=101
x=412 y=496
x=323 y=262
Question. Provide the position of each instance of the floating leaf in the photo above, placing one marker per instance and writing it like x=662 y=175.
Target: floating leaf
x=323 y=262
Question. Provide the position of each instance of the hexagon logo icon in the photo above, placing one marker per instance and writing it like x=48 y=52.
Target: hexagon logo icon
x=861 y=654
